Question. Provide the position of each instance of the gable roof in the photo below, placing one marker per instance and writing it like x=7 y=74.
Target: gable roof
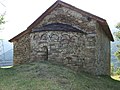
x=61 y=3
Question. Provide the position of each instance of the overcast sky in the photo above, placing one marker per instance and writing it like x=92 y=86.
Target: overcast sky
x=21 y=13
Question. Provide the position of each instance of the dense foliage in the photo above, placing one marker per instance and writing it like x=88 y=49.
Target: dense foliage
x=117 y=34
x=118 y=71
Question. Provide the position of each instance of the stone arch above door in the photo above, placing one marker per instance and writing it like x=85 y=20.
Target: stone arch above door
x=58 y=27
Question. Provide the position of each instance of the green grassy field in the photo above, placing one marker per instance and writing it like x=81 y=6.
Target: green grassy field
x=46 y=76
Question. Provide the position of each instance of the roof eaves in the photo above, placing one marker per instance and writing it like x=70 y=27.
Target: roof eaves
x=108 y=32
x=29 y=29
x=18 y=36
x=39 y=19
x=50 y=9
x=82 y=12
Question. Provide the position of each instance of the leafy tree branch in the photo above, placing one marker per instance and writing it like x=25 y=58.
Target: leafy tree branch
x=2 y=20
x=117 y=35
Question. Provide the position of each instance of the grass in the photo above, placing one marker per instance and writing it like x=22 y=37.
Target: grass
x=47 y=76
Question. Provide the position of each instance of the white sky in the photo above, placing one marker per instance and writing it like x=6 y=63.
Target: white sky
x=21 y=13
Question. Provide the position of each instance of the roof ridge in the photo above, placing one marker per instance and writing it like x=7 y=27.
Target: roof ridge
x=82 y=11
x=64 y=4
x=61 y=3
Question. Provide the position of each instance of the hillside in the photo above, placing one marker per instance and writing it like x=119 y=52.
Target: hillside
x=6 y=59
x=6 y=45
x=6 y=53
x=47 y=76
x=113 y=50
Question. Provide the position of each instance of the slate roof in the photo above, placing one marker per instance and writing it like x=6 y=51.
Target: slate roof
x=101 y=21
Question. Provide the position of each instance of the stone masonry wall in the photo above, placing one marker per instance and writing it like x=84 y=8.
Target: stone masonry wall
x=62 y=47
x=70 y=17
x=88 y=52
x=103 y=52
x=22 y=50
x=88 y=25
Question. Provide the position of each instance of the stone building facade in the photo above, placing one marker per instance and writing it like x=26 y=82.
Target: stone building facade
x=67 y=35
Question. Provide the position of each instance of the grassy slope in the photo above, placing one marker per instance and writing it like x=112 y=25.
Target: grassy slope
x=45 y=76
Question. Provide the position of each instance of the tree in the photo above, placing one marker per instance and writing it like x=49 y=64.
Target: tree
x=117 y=35
x=117 y=71
x=112 y=69
x=2 y=20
